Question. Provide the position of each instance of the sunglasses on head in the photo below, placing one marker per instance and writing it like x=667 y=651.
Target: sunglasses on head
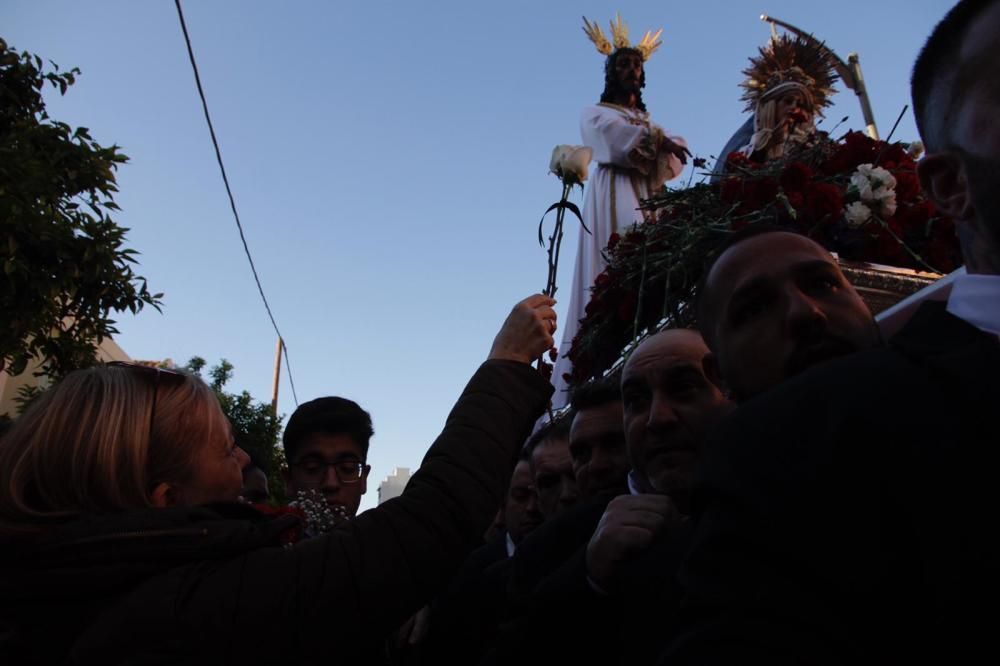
x=155 y=375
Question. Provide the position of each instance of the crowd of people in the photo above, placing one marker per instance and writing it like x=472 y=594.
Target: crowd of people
x=780 y=485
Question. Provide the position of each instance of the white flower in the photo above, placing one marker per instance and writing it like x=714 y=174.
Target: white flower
x=570 y=163
x=876 y=190
x=857 y=214
x=888 y=204
x=916 y=150
x=558 y=155
x=576 y=163
x=880 y=178
x=861 y=184
x=877 y=177
x=320 y=517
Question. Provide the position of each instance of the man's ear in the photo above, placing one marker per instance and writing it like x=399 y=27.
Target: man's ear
x=942 y=175
x=364 y=479
x=164 y=495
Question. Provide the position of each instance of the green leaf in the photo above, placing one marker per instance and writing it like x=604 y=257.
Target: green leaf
x=63 y=262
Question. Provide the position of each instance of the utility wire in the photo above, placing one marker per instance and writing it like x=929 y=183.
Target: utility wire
x=232 y=201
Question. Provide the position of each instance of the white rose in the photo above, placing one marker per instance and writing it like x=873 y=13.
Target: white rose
x=575 y=164
x=857 y=214
x=558 y=155
x=916 y=150
x=570 y=163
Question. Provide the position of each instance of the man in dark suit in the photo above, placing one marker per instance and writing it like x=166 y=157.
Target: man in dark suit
x=605 y=599
x=796 y=309
x=464 y=618
x=846 y=516
x=552 y=466
x=600 y=465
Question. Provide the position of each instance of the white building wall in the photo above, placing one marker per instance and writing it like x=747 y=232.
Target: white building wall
x=11 y=386
x=393 y=484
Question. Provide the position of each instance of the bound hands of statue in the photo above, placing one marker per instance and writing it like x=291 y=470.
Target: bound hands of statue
x=627 y=528
x=527 y=332
x=675 y=149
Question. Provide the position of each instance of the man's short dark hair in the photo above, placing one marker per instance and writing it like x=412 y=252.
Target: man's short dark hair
x=595 y=394
x=703 y=305
x=556 y=429
x=328 y=416
x=938 y=65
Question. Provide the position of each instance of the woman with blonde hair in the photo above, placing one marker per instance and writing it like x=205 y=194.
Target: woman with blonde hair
x=121 y=437
x=121 y=540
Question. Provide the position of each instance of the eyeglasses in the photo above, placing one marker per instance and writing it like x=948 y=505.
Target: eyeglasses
x=153 y=374
x=315 y=469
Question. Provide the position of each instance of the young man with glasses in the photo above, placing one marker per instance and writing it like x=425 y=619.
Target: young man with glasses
x=326 y=446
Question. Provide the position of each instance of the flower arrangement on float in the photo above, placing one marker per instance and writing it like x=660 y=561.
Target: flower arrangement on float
x=858 y=197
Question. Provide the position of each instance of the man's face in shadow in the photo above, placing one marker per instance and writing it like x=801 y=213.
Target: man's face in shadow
x=670 y=406
x=779 y=304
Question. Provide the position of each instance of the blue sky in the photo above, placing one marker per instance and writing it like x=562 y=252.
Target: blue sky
x=389 y=164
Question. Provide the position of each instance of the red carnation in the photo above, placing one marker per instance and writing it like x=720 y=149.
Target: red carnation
x=797 y=200
x=824 y=202
x=758 y=194
x=856 y=149
x=732 y=190
x=907 y=186
x=896 y=154
x=292 y=534
x=795 y=177
x=913 y=219
x=613 y=241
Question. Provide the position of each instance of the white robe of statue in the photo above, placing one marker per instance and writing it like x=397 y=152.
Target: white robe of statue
x=630 y=166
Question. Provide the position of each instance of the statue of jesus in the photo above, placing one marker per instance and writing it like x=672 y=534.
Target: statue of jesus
x=634 y=156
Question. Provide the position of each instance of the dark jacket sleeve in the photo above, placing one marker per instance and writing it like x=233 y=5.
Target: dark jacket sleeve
x=328 y=597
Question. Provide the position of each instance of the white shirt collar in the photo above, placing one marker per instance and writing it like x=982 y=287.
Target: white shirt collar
x=975 y=298
x=510 y=545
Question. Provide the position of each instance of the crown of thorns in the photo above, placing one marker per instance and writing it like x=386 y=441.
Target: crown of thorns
x=619 y=38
